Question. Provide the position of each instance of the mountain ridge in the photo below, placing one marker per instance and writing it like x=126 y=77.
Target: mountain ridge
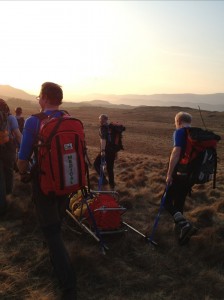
x=211 y=102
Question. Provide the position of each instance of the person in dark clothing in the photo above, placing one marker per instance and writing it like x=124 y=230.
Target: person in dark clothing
x=50 y=209
x=178 y=184
x=8 y=128
x=19 y=118
x=106 y=152
x=21 y=121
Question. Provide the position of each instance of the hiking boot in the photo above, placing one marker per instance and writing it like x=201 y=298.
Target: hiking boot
x=183 y=228
x=187 y=230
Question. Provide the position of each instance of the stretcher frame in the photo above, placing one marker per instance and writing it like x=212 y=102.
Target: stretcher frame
x=94 y=231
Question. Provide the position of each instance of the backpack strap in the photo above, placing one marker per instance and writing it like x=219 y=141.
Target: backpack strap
x=215 y=171
x=109 y=130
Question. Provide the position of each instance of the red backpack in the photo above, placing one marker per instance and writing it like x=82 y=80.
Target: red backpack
x=199 y=160
x=60 y=154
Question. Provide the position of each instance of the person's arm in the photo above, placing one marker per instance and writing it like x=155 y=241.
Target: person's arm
x=103 y=132
x=174 y=159
x=17 y=134
x=102 y=146
x=26 y=147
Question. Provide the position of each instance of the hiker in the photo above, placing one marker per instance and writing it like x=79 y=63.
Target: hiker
x=9 y=132
x=20 y=120
x=178 y=184
x=19 y=117
x=106 y=153
x=50 y=208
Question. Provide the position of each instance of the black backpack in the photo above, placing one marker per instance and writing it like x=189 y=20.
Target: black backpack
x=114 y=140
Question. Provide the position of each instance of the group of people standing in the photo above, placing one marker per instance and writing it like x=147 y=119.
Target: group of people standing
x=51 y=210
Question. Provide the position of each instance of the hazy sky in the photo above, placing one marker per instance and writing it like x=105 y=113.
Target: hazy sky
x=113 y=47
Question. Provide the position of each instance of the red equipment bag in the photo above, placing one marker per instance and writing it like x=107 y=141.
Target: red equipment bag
x=61 y=154
x=106 y=212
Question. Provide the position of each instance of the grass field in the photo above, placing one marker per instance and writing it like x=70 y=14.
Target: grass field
x=132 y=269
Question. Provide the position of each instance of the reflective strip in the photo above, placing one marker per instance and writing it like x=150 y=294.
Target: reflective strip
x=70 y=169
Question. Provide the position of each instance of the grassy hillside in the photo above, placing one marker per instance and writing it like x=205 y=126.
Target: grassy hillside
x=131 y=269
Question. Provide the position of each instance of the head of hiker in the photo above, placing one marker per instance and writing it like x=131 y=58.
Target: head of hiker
x=18 y=111
x=50 y=96
x=103 y=119
x=182 y=119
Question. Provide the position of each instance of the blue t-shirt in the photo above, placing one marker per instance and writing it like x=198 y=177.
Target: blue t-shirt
x=12 y=125
x=179 y=138
x=30 y=132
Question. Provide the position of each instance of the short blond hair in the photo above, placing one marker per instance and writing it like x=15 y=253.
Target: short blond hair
x=104 y=117
x=184 y=117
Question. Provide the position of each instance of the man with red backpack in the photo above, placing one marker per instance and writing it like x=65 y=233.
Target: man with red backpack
x=178 y=183
x=193 y=160
x=50 y=206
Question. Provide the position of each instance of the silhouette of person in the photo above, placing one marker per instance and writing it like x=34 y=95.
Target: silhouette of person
x=20 y=118
x=106 y=152
x=178 y=183
x=9 y=128
x=50 y=209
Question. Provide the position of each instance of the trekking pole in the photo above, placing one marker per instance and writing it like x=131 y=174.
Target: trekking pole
x=102 y=168
x=151 y=237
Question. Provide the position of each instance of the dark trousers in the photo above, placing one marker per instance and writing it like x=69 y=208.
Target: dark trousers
x=109 y=158
x=7 y=160
x=50 y=211
x=176 y=194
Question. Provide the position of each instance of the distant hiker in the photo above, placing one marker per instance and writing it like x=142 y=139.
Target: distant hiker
x=20 y=118
x=110 y=143
x=9 y=132
x=178 y=184
x=51 y=207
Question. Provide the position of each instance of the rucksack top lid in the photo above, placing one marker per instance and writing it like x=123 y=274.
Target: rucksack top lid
x=199 y=134
x=117 y=126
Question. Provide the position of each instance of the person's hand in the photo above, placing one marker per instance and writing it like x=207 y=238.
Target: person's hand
x=169 y=180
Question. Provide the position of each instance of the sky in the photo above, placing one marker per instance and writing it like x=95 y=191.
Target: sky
x=113 y=47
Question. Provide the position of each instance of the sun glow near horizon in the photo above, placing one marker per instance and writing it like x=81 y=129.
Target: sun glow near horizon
x=107 y=47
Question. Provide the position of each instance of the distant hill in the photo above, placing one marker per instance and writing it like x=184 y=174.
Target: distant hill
x=7 y=91
x=99 y=103
x=210 y=102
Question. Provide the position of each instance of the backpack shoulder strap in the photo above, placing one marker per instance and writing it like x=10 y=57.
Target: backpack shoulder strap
x=41 y=116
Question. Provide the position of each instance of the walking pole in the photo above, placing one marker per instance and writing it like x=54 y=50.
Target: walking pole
x=151 y=237
x=102 y=167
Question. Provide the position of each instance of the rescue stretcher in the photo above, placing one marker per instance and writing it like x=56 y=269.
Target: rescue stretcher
x=98 y=213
